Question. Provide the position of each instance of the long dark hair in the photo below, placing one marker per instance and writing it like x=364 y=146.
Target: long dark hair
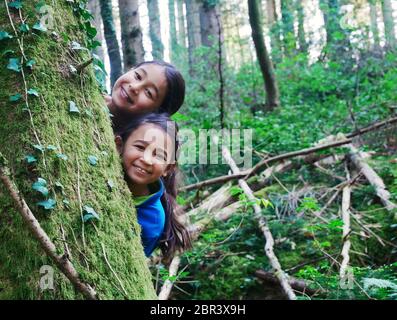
x=175 y=87
x=175 y=237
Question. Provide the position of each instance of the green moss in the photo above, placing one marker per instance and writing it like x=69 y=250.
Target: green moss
x=77 y=136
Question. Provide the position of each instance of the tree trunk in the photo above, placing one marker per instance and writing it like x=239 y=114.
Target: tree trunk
x=287 y=17
x=155 y=29
x=275 y=34
x=93 y=6
x=193 y=29
x=374 y=23
x=209 y=28
x=390 y=34
x=131 y=33
x=111 y=40
x=181 y=24
x=301 y=26
x=41 y=138
x=273 y=96
x=173 y=37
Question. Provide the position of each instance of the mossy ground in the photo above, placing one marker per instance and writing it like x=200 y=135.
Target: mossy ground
x=77 y=136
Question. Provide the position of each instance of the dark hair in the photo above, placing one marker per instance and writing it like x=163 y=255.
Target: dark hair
x=175 y=236
x=175 y=87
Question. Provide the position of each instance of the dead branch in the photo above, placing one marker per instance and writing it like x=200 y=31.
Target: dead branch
x=372 y=127
x=62 y=262
x=357 y=158
x=167 y=286
x=346 y=195
x=282 y=277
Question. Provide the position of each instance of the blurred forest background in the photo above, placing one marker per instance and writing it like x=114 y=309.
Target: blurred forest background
x=295 y=72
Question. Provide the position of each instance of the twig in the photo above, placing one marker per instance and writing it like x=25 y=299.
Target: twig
x=84 y=65
x=167 y=286
x=62 y=262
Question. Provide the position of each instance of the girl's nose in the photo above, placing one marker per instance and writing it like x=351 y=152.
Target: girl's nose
x=133 y=88
x=147 y=157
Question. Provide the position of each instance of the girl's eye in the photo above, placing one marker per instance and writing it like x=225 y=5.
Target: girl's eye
x=138 y=76
x=149 y=93
x=139 y=147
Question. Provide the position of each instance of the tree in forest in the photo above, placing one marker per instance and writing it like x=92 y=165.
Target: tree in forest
x=374 y=23
x=390 y=33
x=303 y=46
x=173 y=36
x=287 y=17
x=275 y=30
x=181 y=24
x=111 y=40
x=62 y=191
x=131 y=33
x=155 y=29
x=193 y=29
x=271 y=86
x=209 y=22
x=93 y=6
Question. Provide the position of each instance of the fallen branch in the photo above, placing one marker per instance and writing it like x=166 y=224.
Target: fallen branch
x=62 y=262
x=346 y=195
x=357 y=158
x=296 y=284
x=167 y=286
x=372 y=127
x=282 y=277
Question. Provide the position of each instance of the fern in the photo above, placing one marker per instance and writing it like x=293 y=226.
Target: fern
x=379 y=283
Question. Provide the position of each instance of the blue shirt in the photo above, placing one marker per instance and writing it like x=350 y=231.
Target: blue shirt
x=151 y=217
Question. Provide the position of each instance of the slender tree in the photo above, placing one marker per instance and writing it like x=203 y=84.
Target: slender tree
x=390 y=34
x=93 y=6
x=173 y=37
x=111 y=40
x=275 y=30
x=181 y=24
x=131 y=33
x=287 y=17
x=301 y=26
x=193 y=29
x=83 y=212
x=269 y=78
x=209 y=26
x=155 y=29
x=374 y=23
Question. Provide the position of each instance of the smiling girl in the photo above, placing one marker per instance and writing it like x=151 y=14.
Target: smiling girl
x=151 y=86
x=148 y=148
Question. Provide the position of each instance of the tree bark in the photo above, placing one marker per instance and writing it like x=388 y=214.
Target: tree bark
x=271 y=87
x=181 y=24
x=390 y=34
x=287 y=17
x=43 y=129
x=93 y=6
x=209 y=24
x=303 y=47
x=173 y=36
x=155 y=29
x=193 y=29
x=131 y=33
x=374 y=23
x=111 y=40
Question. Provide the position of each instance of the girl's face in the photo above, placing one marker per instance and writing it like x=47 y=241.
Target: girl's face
x=146 y=154
x=141 y=90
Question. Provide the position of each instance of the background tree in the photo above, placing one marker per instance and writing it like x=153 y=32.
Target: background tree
x=181 y=24
x=155 y=29
x=131 y=33
x=390 y=33
x=374 y=23
x=209 y=24
x=274 y=30
x=301 y=26
x=193 y=29
x=111 y=40
x=61 y=156
x=287 y=17
x=272 y=91
x=173 y=37
x=94 y=7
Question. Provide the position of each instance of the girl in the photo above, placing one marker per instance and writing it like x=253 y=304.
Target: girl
x=151 y=86
x=148 y=148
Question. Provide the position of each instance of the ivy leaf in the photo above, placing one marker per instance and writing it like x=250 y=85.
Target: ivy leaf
x=39 y=27
x=24 y=27
x=179 y=117
x=90 y=214
x=30 y=159
x=14 y=64
x=41 y=186
x=73 y=108
x=48 y=204
x=38 y=147
x=93 y=160
x=62 y=156
x=77 y=46
x=15 y=97
x=110 y=184
x=66 y=202
x=33 y=92
x=51 y=147
x=30 y=63
x=15 y=4
x=5 y=35
x=8 y=51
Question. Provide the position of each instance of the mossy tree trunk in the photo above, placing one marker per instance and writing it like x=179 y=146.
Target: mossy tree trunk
x=266 y=65
x=209 y=24
x=155 y=29
x=111 y=40
x=74 y=153
x=131 y=33
x=93 y=6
